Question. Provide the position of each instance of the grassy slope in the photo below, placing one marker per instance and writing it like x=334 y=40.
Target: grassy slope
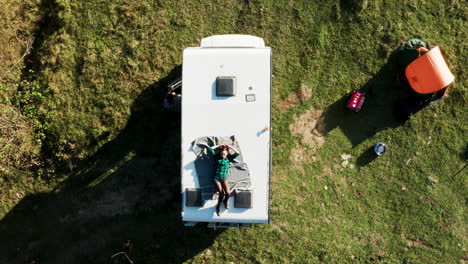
x=106 y=55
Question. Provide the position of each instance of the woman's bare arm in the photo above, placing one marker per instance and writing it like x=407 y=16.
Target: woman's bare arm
x=217 y=146
x=230 y=147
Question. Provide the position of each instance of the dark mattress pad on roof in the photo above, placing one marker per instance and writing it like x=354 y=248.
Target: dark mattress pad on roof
x=238 y=177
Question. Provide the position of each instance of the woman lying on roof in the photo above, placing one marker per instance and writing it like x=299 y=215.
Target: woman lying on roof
x=223 y=162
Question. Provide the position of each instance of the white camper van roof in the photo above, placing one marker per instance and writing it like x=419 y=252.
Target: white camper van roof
x=242 y=64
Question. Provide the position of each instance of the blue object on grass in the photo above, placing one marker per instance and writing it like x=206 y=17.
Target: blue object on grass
x=379 y=148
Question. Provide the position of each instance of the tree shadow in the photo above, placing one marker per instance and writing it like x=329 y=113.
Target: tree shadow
x=383 y=92
x=33 y=91
x=128 y=191
x=48 y=23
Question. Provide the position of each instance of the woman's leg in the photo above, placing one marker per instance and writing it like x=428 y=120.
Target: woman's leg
x=227 y=192
x=226 y=188
x=220 y=196
x=218 y=187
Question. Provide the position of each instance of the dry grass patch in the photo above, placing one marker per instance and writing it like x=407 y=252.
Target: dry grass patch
x=304 y=126
x=296 y=98
x=311 y=140
x=17 y=19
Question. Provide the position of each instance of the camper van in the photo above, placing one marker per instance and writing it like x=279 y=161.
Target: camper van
x=226 y=101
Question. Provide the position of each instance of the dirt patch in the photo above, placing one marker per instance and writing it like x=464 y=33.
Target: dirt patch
x=311 y=139
x=296 y=98
x=304 y=125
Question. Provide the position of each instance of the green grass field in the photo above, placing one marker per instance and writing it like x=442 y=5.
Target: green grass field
x=89 y=159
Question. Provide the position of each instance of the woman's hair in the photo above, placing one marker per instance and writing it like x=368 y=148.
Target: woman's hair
x=223 y=148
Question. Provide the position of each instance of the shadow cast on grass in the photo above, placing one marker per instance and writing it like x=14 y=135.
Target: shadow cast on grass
x=383 y=91
x=128 y=191
x=48 y=23
x=366 y=157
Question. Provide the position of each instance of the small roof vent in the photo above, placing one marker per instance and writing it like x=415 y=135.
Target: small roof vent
x=226 y=86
